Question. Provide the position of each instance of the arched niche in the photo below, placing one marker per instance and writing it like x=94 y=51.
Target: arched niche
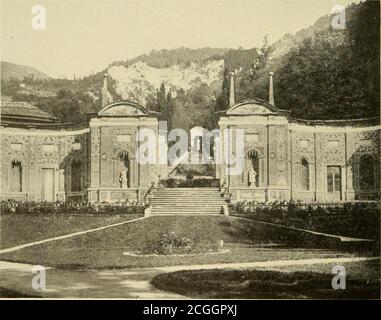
x=253 y=161
x=122 y=170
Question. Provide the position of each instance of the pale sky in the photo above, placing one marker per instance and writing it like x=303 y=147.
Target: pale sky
x=82 y=36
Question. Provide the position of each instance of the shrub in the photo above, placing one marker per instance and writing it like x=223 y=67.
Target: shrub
x=170 y=183
x=169 y=243
x=189 y=182
x=41 y=207
x=172 y=243
x=196 y=169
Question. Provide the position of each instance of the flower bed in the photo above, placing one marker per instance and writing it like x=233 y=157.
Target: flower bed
x=190 y=182
x=40 y=207
x=353 y=219
x=196 y=169
x=174 y=244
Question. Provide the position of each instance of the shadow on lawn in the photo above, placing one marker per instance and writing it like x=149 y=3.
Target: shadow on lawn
x=8 y=293
x=261 y=284
x=258 y=232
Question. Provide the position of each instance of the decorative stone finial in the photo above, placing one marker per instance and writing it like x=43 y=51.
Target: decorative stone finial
x=231 y=90
x=271 y=90
x=104 y=91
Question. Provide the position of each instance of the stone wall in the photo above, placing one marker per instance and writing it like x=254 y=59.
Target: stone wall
x=293 y=160
x=284 y=147
x=79 y=165
x=39 y=150
x=324 y=146
x=111 y=138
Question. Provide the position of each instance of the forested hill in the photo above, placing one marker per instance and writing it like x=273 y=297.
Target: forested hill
x=166 y=58
x=319 y=73
x=330 y=74
x=12 y=70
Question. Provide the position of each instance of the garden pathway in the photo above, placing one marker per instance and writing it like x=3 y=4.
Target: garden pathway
x=126 y=283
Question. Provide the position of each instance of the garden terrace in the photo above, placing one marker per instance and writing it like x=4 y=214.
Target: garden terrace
x=245 y=241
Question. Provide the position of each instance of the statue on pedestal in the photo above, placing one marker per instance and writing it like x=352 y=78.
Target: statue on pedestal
x=252 y=175
x=123 y=178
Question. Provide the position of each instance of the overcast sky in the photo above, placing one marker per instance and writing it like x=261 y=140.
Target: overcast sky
x=82 y=36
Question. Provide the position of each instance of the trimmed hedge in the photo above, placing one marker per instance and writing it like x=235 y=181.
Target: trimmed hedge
x=352 y=219
x=195 y=169
x=190 y=182
x=40 y=207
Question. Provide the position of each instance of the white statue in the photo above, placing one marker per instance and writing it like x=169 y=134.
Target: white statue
x=252 y=177
x=123 y=178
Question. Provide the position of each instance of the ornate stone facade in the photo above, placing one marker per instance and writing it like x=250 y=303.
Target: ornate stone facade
x=78 y=165
x=303 y=160
x=283 y=158
x=40 y=151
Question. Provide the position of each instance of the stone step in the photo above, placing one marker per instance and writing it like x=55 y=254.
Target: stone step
x=179 y=203
x=212 y=209
x=167 y=196
x=157 y=207
x=193 y=201
x=186 y=213
x=214 y=194
x=196 y=201
x=181 y=211
x=188 y=189
x=190 y=193
x=185 y=209
x=185 y=198
x=189 y=200
x=188 y=210
x=216 y=212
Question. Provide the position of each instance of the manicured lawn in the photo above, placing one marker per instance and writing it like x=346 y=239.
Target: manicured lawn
x=17 y=229
x=304 y=282
x=246 y=240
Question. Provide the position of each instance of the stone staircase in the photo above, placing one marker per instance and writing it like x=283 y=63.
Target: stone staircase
x=187 y=201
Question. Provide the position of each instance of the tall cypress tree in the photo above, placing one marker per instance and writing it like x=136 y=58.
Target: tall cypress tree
x=169 y=109
x=161 y=102
x=222 y=101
